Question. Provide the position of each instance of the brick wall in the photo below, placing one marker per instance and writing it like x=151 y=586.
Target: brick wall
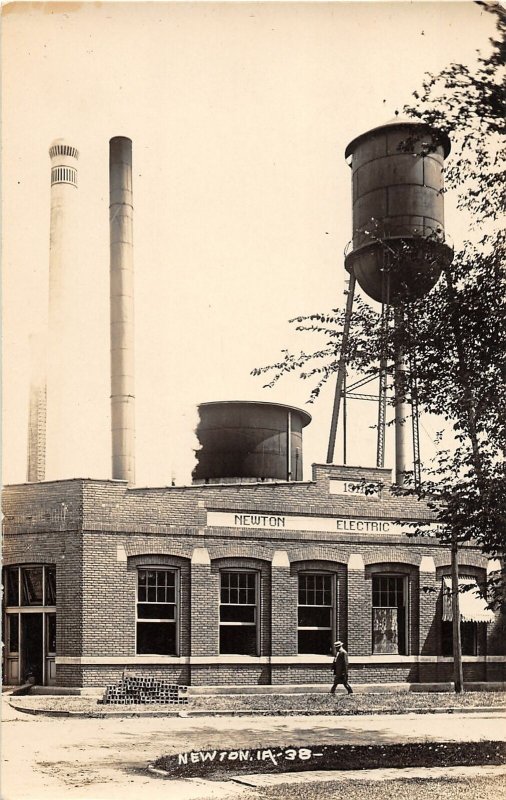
x=70 y=675
x=53 y=506
x=283 y=606
x=100 y=504
x=99 y=532
x=99 y=676
x=230 y=675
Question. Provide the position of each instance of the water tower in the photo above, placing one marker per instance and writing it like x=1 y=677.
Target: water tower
x=397 y=253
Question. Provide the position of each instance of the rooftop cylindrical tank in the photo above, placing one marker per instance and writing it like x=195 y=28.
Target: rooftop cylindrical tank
x=398 y=219
x=245 y=441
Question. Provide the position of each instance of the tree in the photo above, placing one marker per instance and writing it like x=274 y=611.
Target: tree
x=470 y=105
x=456 y=335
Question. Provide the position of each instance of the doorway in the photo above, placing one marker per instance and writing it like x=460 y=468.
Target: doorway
x=32 y=647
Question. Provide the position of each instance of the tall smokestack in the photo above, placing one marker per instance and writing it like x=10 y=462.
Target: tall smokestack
x=65 y=379
x=122 y=309
x=36 y=469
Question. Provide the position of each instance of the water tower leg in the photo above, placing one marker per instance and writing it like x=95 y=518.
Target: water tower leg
x=401 y=412
x=341 y=370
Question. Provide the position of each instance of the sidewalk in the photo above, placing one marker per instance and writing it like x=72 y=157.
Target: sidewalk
x=290 y=704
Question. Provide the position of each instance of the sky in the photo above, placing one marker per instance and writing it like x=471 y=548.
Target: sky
x=239 y=115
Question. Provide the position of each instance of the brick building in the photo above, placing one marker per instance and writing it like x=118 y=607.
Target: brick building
x=234 y=583
x=235 y=579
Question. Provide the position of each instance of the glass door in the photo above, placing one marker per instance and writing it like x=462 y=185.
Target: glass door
x=12 y=650
x=50 y=677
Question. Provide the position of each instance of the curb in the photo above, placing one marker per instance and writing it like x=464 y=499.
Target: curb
x=251 y=713
x=378 y=774
x=329 y=775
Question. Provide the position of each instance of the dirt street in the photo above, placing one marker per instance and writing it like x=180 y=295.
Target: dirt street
x=106 y=759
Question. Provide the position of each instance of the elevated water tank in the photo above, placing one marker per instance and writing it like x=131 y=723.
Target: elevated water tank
x=398 y=216
x=244 y=441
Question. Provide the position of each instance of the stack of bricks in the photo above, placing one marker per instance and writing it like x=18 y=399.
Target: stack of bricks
x=137 y=690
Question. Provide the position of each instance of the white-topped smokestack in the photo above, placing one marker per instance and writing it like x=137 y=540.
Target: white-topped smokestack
x=66 y=380
x=122 y=309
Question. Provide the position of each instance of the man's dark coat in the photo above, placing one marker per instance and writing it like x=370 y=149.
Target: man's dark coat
x=340 y=665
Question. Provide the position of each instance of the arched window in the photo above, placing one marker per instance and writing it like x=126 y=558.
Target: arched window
x=157 y=611
x=389 y=614
x=239 y=603
x=474 y=615
x=316 y=615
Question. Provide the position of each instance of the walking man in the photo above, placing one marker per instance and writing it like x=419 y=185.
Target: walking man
x=340 y=668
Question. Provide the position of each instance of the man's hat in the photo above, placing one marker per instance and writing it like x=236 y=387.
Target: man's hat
x=338 y=643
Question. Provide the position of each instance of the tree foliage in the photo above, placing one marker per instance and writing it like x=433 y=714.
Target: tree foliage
x=469 y=104
x=455 y=336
